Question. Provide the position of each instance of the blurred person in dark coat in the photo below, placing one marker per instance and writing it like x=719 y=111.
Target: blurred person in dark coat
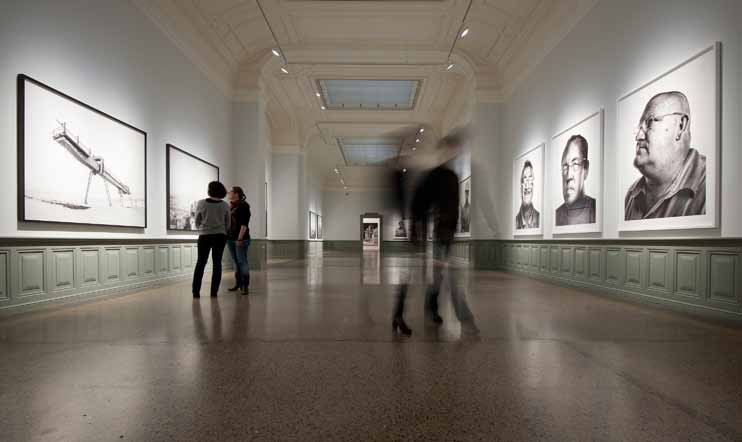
x=438 y=194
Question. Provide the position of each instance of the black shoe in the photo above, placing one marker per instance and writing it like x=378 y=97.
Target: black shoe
x=196 y=295
x=399 y=327
x=433 y=317
x=234 y=289
x=245 y=290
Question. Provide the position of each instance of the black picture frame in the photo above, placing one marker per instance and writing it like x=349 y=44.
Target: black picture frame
x=21 y=81
x=168 y=148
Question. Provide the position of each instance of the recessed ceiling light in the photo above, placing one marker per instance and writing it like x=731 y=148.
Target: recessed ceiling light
x=450 y=66
x=336 y=170
x=317 y=94
x=465 y=32
x=323 y=108
x=422 y=129
x=417 y=140
x=404 y=170
x=414 y=149
x=284 y=70
x=276 y=53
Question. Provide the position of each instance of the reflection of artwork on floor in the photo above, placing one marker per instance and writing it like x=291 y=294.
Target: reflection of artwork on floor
x=528 y=187
x=402 y=229
x=78 y=165
x=576 y=169
x=668 y=148
x=463 y=227
x=371 y=234
x=188 y=179
x=312 y=225
x=319 y=226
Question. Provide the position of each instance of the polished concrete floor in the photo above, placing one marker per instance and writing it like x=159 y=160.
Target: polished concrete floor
x=309 y=356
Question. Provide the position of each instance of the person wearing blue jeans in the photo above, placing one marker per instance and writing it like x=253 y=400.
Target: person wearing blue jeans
x=238 y=238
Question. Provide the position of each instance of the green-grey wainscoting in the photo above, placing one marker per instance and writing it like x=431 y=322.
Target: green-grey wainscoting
x=42 y=269
x=700 y=276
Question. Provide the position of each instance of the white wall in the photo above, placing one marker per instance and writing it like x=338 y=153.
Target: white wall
x=342 y=213
x=107 y=54
x=287 y=197
x=618 y=46
x=250 y=159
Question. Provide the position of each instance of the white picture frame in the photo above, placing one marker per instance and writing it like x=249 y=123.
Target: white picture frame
x=591 y=130
x=534 y=156
x=698 y=79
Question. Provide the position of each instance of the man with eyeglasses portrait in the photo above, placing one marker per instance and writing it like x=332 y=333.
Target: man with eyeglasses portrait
x=527 y=217
x=673 y=181
x=578 y=208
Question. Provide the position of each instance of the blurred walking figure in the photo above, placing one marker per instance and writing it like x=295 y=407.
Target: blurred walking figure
x=402 y=182
x=212 y=220
x=239 y=238
x=438 y=193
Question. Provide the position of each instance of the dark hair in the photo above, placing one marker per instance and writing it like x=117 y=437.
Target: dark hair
x=526 y=165
x=217 y=190
x=240 y=193
x=581 y=143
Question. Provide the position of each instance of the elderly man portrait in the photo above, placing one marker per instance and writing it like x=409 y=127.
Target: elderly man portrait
x=528 y=217
x=673 y=181
x=578 y=208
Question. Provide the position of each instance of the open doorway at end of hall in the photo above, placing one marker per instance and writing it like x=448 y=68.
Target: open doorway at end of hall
x=371 y=231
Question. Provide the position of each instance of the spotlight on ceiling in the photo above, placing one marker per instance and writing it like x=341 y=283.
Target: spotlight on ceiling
x=317 y=94
x=404 y=170
x=284 y=70
x=450 y=66
x=465 y=32
x=337 y=171
x=322 y=107
x=276 y=53
x=422 y=129
x=414 y=149
x=417 y=140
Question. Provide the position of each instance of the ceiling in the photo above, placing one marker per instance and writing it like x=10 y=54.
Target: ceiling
x=371 y=40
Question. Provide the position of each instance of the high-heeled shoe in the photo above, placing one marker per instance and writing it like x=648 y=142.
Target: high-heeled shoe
x=399 y=326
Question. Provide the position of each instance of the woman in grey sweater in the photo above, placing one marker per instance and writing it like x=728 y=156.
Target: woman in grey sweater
x=212 y=220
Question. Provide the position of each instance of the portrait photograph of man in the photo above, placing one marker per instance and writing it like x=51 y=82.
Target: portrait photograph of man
x=464 y=224
x=576 y=173
x=528 y=185
x=668 y=135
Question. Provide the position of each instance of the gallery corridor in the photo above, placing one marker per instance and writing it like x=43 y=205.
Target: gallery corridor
x=309 y=356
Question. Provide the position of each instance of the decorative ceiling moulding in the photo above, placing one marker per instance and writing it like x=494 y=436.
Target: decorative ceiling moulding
x=180 y=29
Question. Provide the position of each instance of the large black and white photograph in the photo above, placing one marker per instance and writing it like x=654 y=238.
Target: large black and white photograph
x=371 y=233
x=576 y=170
x=463 y=226
x=312 y=225
x=77 y=164
x=528 y=192
x=188 y=176
x=401 y=229
x=668 y=136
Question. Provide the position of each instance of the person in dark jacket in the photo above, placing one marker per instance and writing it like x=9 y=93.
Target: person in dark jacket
x=212 y=220
x=438 y=193
x=238 y=238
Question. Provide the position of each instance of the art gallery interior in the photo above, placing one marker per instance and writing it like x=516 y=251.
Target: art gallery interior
x=598 y=235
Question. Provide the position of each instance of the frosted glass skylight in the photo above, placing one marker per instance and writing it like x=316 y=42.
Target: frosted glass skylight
x=369 y=94
x=369 y=151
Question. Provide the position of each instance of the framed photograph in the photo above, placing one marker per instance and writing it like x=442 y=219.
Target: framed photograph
x=312 y=225
x=576 y=170
x=371 y=233
x=463 y=226
x=77 y=164
x=668 y=148
x=188 y=178
x=528 y=192
x=319 y=226
x=402 y=227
